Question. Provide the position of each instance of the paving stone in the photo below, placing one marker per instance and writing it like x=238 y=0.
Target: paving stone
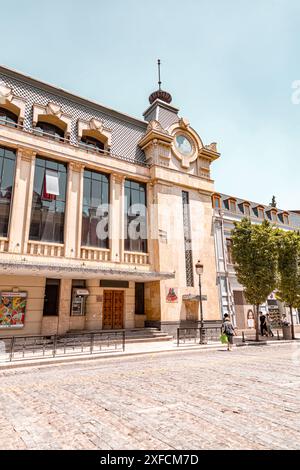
x=248 y=399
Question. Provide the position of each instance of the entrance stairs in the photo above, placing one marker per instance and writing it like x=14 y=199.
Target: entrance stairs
x=135 y=335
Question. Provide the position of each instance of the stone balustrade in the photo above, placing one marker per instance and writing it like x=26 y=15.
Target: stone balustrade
x=45 y=249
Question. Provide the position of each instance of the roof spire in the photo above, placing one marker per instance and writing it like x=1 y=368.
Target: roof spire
x=159 y=80
x=160 y=94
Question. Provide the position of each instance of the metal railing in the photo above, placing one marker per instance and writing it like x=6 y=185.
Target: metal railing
x=22 y=348
x=251 y=336
x=198 y=335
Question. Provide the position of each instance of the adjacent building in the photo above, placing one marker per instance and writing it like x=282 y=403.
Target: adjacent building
x=103 y=216
x=227 y=210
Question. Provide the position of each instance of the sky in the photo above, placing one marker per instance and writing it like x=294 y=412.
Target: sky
x=230 y=66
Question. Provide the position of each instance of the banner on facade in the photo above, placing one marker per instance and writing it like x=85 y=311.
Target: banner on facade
x=171 y=294
x=12 y=309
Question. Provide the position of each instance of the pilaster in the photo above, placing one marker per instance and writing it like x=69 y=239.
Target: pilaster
x=116 y=219
x=73 y=212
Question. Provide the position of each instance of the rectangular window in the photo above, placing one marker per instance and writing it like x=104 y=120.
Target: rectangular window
x=229 y=250
x=7 y=178
x=51 y=300
x=261 y=213
x=232 y=206
x=274 y=216
x=247 y=210
x=139 y=298
x=216 y=202
x=49 y=201
x=95 y=211
x=189 y=268
x=135 y=207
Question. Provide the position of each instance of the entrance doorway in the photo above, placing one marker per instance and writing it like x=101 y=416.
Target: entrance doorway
x=113 y=310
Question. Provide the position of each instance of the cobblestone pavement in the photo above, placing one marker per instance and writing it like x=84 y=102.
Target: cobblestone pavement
x=245 y=399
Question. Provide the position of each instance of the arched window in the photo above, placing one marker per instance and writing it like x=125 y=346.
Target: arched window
x=8 y=118
x=50 y=130
x=92 y=143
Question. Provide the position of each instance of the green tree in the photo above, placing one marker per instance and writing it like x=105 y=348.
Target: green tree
x=255 y=253
x=289 y=271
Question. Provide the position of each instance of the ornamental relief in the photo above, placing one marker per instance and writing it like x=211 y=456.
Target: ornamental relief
x=11 y=102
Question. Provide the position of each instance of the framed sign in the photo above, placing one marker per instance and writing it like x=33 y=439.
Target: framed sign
x=12 y=309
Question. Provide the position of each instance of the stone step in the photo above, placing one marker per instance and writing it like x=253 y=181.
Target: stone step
x=149 y=340
x=136 y=335
x=135 y=332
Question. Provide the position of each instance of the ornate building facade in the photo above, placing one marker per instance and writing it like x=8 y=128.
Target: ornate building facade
x=102 y=216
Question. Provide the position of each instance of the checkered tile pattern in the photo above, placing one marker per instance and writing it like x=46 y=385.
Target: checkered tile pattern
x=125 y=135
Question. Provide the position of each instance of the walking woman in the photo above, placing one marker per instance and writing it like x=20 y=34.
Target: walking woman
x=229 y=331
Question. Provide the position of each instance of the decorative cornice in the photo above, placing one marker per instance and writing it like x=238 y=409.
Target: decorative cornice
x=118 y=178
x=96 y=129
x=27 y=155
x=156 y=134
x=76 y=166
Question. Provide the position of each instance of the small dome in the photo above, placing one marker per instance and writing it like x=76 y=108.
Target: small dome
x=160 y=95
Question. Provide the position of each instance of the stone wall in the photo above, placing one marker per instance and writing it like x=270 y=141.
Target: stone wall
x=35 y=287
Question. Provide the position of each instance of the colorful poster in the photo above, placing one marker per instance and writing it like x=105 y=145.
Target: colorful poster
x=12 y=309
x=171 y=294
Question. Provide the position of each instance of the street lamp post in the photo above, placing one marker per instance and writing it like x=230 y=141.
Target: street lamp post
x=199 y=271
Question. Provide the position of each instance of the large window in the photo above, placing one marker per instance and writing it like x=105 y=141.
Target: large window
x=8 y=118
x=95 y=211
x=49 y=129
x=7 y=177
x=49 y=201
x=135 y=216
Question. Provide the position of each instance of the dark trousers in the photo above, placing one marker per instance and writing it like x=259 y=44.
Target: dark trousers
x=263 y=329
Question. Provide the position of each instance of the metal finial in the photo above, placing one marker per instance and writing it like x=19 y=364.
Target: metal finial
x=159 y=80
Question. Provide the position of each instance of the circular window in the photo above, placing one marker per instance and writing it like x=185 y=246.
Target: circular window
x=183 y=145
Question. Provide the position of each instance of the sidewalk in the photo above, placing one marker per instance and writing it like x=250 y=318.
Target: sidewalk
x=140 y=349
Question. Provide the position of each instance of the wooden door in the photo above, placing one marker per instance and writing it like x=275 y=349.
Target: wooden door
x=118 y=310
x=113 y=310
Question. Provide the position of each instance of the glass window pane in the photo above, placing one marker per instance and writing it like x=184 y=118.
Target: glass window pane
x=135 y=217
x=7 y=177
x=47 y=216
x=94 y=223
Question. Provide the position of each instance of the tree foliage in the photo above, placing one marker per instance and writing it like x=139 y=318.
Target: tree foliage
x=289 y=268
x=255 y=252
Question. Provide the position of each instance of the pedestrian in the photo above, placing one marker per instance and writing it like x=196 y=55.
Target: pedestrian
x=269 y=326
x=229 y=331
x=263 y=325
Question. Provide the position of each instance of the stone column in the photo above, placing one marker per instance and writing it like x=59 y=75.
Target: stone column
x=153 y=228
x=151 y=225
x=116 y=217
x=22 y=201
x=64 y=306
x=73 y=211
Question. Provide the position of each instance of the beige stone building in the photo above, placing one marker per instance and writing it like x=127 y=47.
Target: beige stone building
x=102 y=216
